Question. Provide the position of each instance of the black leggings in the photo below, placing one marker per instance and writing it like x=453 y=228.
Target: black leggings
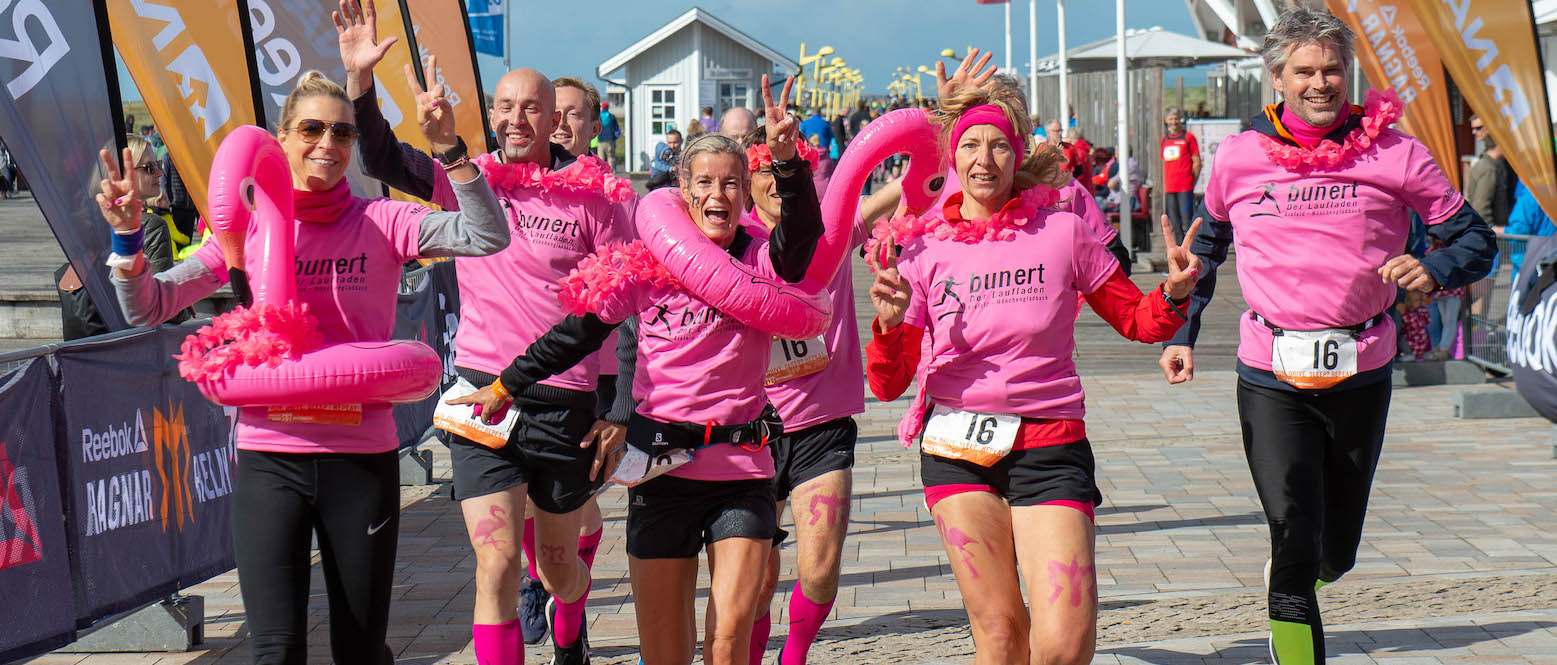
x=1312 y=455
x=353 y=503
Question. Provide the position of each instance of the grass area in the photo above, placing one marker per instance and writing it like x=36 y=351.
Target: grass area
x=1194 y=96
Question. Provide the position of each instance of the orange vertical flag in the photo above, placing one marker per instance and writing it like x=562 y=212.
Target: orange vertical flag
x=1395 y=52
x=1489 y=47
x=441 y=30
x=188 y=61
x=394 y=94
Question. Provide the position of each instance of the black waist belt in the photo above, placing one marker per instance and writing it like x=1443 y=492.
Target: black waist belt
x=1356 y=330
x=655 y=437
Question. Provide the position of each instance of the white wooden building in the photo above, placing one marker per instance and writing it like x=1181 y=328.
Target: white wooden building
x=693 y=61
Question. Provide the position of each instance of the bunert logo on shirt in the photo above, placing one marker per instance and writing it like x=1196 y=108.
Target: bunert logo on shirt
x=1307 y=200
x=995 y=287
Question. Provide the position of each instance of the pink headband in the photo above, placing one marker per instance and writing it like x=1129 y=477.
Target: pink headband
x=989 y=114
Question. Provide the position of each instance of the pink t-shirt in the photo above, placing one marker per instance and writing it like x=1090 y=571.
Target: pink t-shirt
x=837 y=390
x=348 y=273
x=1309 y=246
x=1074 y=199
x=697 y=365
x=509 y=299
x=1000 y=315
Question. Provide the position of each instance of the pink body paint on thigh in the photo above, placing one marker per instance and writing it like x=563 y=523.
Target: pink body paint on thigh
x=1078 y=577
x=832 y=507
x=956 y=538
x=486 y=529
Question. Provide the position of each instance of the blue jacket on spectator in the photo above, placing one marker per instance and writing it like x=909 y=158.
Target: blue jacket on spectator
x=659 y=165
x=1526 y=219
x=610 y=130
x=816 y=125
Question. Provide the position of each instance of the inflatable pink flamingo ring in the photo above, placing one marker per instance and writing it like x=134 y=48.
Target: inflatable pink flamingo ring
x=791 y=311
x=270 y=354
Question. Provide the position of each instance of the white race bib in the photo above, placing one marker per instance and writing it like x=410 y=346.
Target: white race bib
x=461 y=419
x=980 y=438
x=1313 y=359
x=638 y=466
x=1170 y=152
x=792 y=359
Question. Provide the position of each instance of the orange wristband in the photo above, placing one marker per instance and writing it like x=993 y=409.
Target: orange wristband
x=500 y=391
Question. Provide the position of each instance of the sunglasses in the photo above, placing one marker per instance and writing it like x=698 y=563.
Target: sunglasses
x=312 y=131
x=154 y=167
x=1477 y=128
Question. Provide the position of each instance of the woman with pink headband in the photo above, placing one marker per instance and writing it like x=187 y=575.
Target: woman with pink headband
x=992 y=278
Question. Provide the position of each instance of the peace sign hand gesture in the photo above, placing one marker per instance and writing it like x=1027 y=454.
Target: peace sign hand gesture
x=357 y=29
x=969 y=75
x=891 y=293
x=116 y=196
x=1183 y=265
x=783 y=128
x=433 y=112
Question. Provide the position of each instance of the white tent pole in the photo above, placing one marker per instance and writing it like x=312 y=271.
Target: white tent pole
x=1008 y=35
x=1122 y=151
x=1064 y=115
x=1032 y=56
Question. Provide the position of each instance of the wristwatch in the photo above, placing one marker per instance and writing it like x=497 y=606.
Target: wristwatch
x=454 y=155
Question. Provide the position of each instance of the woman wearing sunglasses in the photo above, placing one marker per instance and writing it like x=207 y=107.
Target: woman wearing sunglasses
x=337 y=476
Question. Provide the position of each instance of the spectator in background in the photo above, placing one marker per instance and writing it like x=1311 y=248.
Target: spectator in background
x=694 y=129
x=662 y=171
x=1054 y=134
x=183 y=214
x=610 y=131
x=737 y=123
x=1111 y=173
x=1492 y=183
x=1180 y=170
x=1039 y=129
x=1414 y=315
x=840 y=134
x=1078 y=156
x=7 y=172
x=707 y=121
x=817 y=126
x=859 y=118
x=1527 y=219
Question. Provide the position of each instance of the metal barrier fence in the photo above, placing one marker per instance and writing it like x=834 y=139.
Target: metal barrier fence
x=1485 y=328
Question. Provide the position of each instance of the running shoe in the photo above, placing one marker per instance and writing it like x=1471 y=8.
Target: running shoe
x=533 y=600
x=578 y=652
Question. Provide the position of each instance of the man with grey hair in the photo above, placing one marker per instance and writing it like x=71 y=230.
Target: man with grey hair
x=1321 y=233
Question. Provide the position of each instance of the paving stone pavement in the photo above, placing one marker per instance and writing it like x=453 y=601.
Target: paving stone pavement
x=1458 y=562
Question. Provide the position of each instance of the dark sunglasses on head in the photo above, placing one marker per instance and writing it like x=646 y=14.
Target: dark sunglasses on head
x=312 y=131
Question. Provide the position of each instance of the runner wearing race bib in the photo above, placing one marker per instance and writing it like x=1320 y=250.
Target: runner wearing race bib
x=987 y=286
x=1316 y=197
x=699 y=385
x=817 y=385
x=559 y=209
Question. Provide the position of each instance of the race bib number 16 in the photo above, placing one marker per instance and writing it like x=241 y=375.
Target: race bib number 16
x=792 y=359
x=980 y=438
x=1313 y=360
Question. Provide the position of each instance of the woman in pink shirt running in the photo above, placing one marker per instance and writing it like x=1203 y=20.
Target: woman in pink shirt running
x=990 y=282
x=702 y=410
x=338 y=478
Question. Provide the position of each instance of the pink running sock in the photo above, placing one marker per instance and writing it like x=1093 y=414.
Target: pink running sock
x=529 y=548
x=760 y=630
x=805 y=621
x=570 y=617
x=498 y=644
x=587 y=546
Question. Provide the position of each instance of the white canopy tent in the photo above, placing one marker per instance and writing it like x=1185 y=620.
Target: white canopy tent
x=1153 y=47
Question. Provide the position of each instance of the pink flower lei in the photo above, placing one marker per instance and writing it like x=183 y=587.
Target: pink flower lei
x=587 y=174
x=758 y=156
x=609 y=271
x=1002 y=226
x=260 y=335
x=1380 y=110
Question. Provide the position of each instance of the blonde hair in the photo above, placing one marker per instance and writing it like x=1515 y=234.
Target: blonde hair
x=311 y=84
x=694 y=130
x=139 y=146
x=1045 y=163
x=591 y=95
x=711 y=144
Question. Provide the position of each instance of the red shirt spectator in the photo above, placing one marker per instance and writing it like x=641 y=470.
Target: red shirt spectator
x=1178 y=170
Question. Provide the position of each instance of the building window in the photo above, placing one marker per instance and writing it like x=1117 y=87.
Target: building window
x=662 y=111
x=732 y=95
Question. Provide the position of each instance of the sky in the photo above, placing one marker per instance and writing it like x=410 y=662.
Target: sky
x=874 y=36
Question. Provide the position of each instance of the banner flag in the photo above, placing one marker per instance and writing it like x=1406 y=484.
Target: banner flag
x=395 y=99
x=188 y=60
x=1395 y=52
x=441 y=30
x=149 y=471
x=486 y=26
x=1489 y=47
x=34 y=550
x=58 y=107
